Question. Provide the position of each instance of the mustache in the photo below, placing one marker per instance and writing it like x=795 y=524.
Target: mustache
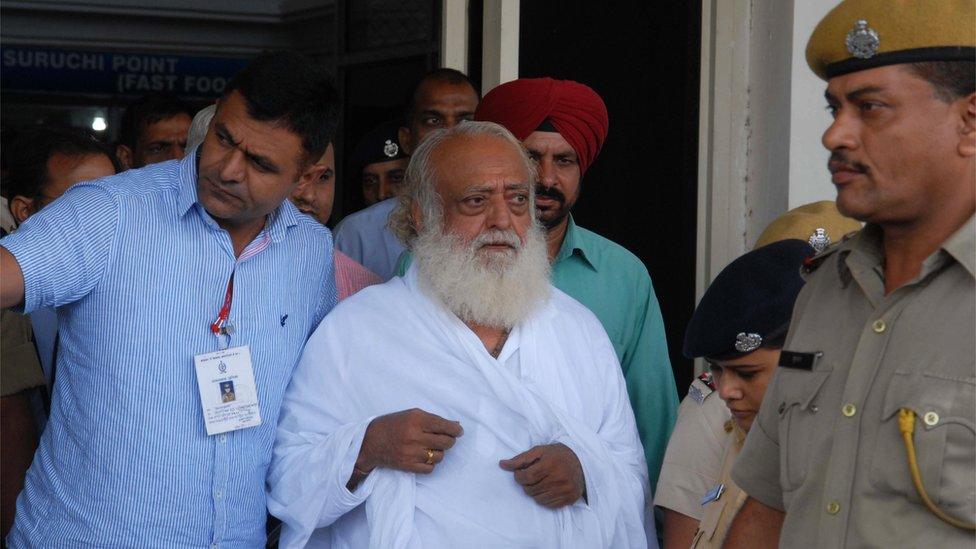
x=497 y=236
x=552 y=193
x=839 y=159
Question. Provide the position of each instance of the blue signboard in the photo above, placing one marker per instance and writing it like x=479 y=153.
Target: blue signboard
x=43 y=70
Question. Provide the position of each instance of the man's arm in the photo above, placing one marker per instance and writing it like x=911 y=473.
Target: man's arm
x=11 y=280
x=679 y=529
x=755 y=526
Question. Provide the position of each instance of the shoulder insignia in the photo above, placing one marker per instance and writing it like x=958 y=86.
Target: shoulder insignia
x=701 y=388
x=707 y=379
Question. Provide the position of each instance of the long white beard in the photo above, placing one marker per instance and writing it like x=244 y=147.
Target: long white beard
x=498 y=289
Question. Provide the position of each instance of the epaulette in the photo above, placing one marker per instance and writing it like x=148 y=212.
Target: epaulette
x=702 y=387
x=813 y=263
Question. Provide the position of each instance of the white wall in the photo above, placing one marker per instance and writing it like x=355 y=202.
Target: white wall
x=809 y=179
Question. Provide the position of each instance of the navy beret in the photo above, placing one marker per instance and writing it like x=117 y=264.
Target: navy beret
x=379 y=145
x=750 y=300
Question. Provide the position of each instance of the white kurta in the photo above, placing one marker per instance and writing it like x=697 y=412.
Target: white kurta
x=391 y=348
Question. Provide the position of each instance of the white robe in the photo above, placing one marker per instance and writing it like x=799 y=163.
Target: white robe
x=391 y=348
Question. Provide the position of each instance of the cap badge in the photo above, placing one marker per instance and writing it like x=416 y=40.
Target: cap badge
x=746 y=343
x=862 y=42
x=391 y=149
x=819 y=239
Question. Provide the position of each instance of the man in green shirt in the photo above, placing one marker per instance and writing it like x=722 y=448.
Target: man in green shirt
x=563 y=124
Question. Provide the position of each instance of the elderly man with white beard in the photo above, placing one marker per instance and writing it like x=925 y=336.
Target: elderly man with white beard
x=491 y=412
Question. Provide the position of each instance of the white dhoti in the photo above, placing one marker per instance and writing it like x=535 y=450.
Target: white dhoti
x=391 y=348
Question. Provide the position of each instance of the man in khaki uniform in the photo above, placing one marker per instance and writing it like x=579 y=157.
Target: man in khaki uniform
x=702 y=436
x=882 y=333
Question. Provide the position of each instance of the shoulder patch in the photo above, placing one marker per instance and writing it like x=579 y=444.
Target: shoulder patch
x=702 y=387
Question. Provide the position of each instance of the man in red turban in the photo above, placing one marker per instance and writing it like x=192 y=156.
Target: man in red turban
x=563 y=125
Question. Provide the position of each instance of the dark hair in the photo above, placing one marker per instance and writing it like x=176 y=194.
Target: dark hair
x=445 y=75
x=148 y=110
x=951 y=79
x=28 y=156
x=289 y=87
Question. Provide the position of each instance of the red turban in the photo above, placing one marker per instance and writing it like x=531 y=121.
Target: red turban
x=575 y=110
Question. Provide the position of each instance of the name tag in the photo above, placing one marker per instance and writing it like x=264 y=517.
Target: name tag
x=227 y=391
x=799 y=361
x=713 y=495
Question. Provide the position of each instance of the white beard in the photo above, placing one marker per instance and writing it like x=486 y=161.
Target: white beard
x=498 y=289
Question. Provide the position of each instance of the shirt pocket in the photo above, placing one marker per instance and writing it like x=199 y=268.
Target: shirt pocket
x=797 y=408
x=945 y=440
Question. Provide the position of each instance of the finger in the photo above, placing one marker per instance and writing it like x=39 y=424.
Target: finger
x=437 y=442
x=434 y=457
x=533 y=474
x=522 y=460
x=438 y=425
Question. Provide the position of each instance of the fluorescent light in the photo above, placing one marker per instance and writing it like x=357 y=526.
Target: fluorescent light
x=98 y=124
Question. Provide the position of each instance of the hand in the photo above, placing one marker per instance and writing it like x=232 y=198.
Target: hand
x=550 y=474
x=401 y=440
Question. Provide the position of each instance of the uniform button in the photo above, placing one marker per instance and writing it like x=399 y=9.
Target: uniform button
x=879 y=326
x=849 y=410
x=814 y=408
x=833 y=508
x=931 y=418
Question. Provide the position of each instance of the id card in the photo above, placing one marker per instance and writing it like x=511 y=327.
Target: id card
x=227 y=390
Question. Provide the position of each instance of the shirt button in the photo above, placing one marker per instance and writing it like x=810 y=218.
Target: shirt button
x=833 y=508
x=849 y=410
x=931 y=418
x=222 y=439
x=218 y=494
x=814 y=408
x=879 y=326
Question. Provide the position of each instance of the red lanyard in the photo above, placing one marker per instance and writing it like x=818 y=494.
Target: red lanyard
x=218 y=325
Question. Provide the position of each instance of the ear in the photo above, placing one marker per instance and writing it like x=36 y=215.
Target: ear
x=416 y=219
x=21 y=207
x=405 y=138
x=967 y=141
x=124 y=154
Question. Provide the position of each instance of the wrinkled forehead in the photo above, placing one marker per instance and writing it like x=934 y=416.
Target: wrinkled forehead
x=474 y=159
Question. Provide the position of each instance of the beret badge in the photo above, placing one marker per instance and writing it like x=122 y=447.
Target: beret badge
x=746 y=343
x=390 y=149
x=862 y=42
x=819 y=240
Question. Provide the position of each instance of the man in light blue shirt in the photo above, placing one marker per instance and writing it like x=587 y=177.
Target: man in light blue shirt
x=153 y=271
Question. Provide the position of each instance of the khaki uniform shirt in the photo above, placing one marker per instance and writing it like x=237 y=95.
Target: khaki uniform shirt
x=20 y=369
x=693 y=460
x=826 y=446
x=719 y=512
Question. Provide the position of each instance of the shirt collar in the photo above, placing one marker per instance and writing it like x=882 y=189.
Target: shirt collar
x=962 y=245
x=574 y=243
x=865 y=249
x=284 y=216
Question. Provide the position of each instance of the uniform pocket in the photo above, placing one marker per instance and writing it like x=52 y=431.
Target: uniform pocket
x=945 y=440
x=797 y=413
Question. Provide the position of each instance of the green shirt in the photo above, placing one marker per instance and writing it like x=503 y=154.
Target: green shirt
x=615 y=286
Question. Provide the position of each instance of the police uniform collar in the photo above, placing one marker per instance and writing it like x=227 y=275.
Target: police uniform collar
x=962 y=245
x=573 y=243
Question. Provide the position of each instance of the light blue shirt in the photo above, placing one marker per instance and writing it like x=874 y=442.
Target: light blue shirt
x=365 y=237
x=138 y=271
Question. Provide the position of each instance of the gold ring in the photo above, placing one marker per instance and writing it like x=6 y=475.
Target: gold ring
x=430 y=456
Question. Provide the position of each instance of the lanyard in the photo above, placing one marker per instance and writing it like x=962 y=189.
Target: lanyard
x=219 y=326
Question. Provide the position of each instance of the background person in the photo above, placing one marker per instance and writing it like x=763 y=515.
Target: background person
x=441 y=99
x=693 y=460
x=154 y=129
